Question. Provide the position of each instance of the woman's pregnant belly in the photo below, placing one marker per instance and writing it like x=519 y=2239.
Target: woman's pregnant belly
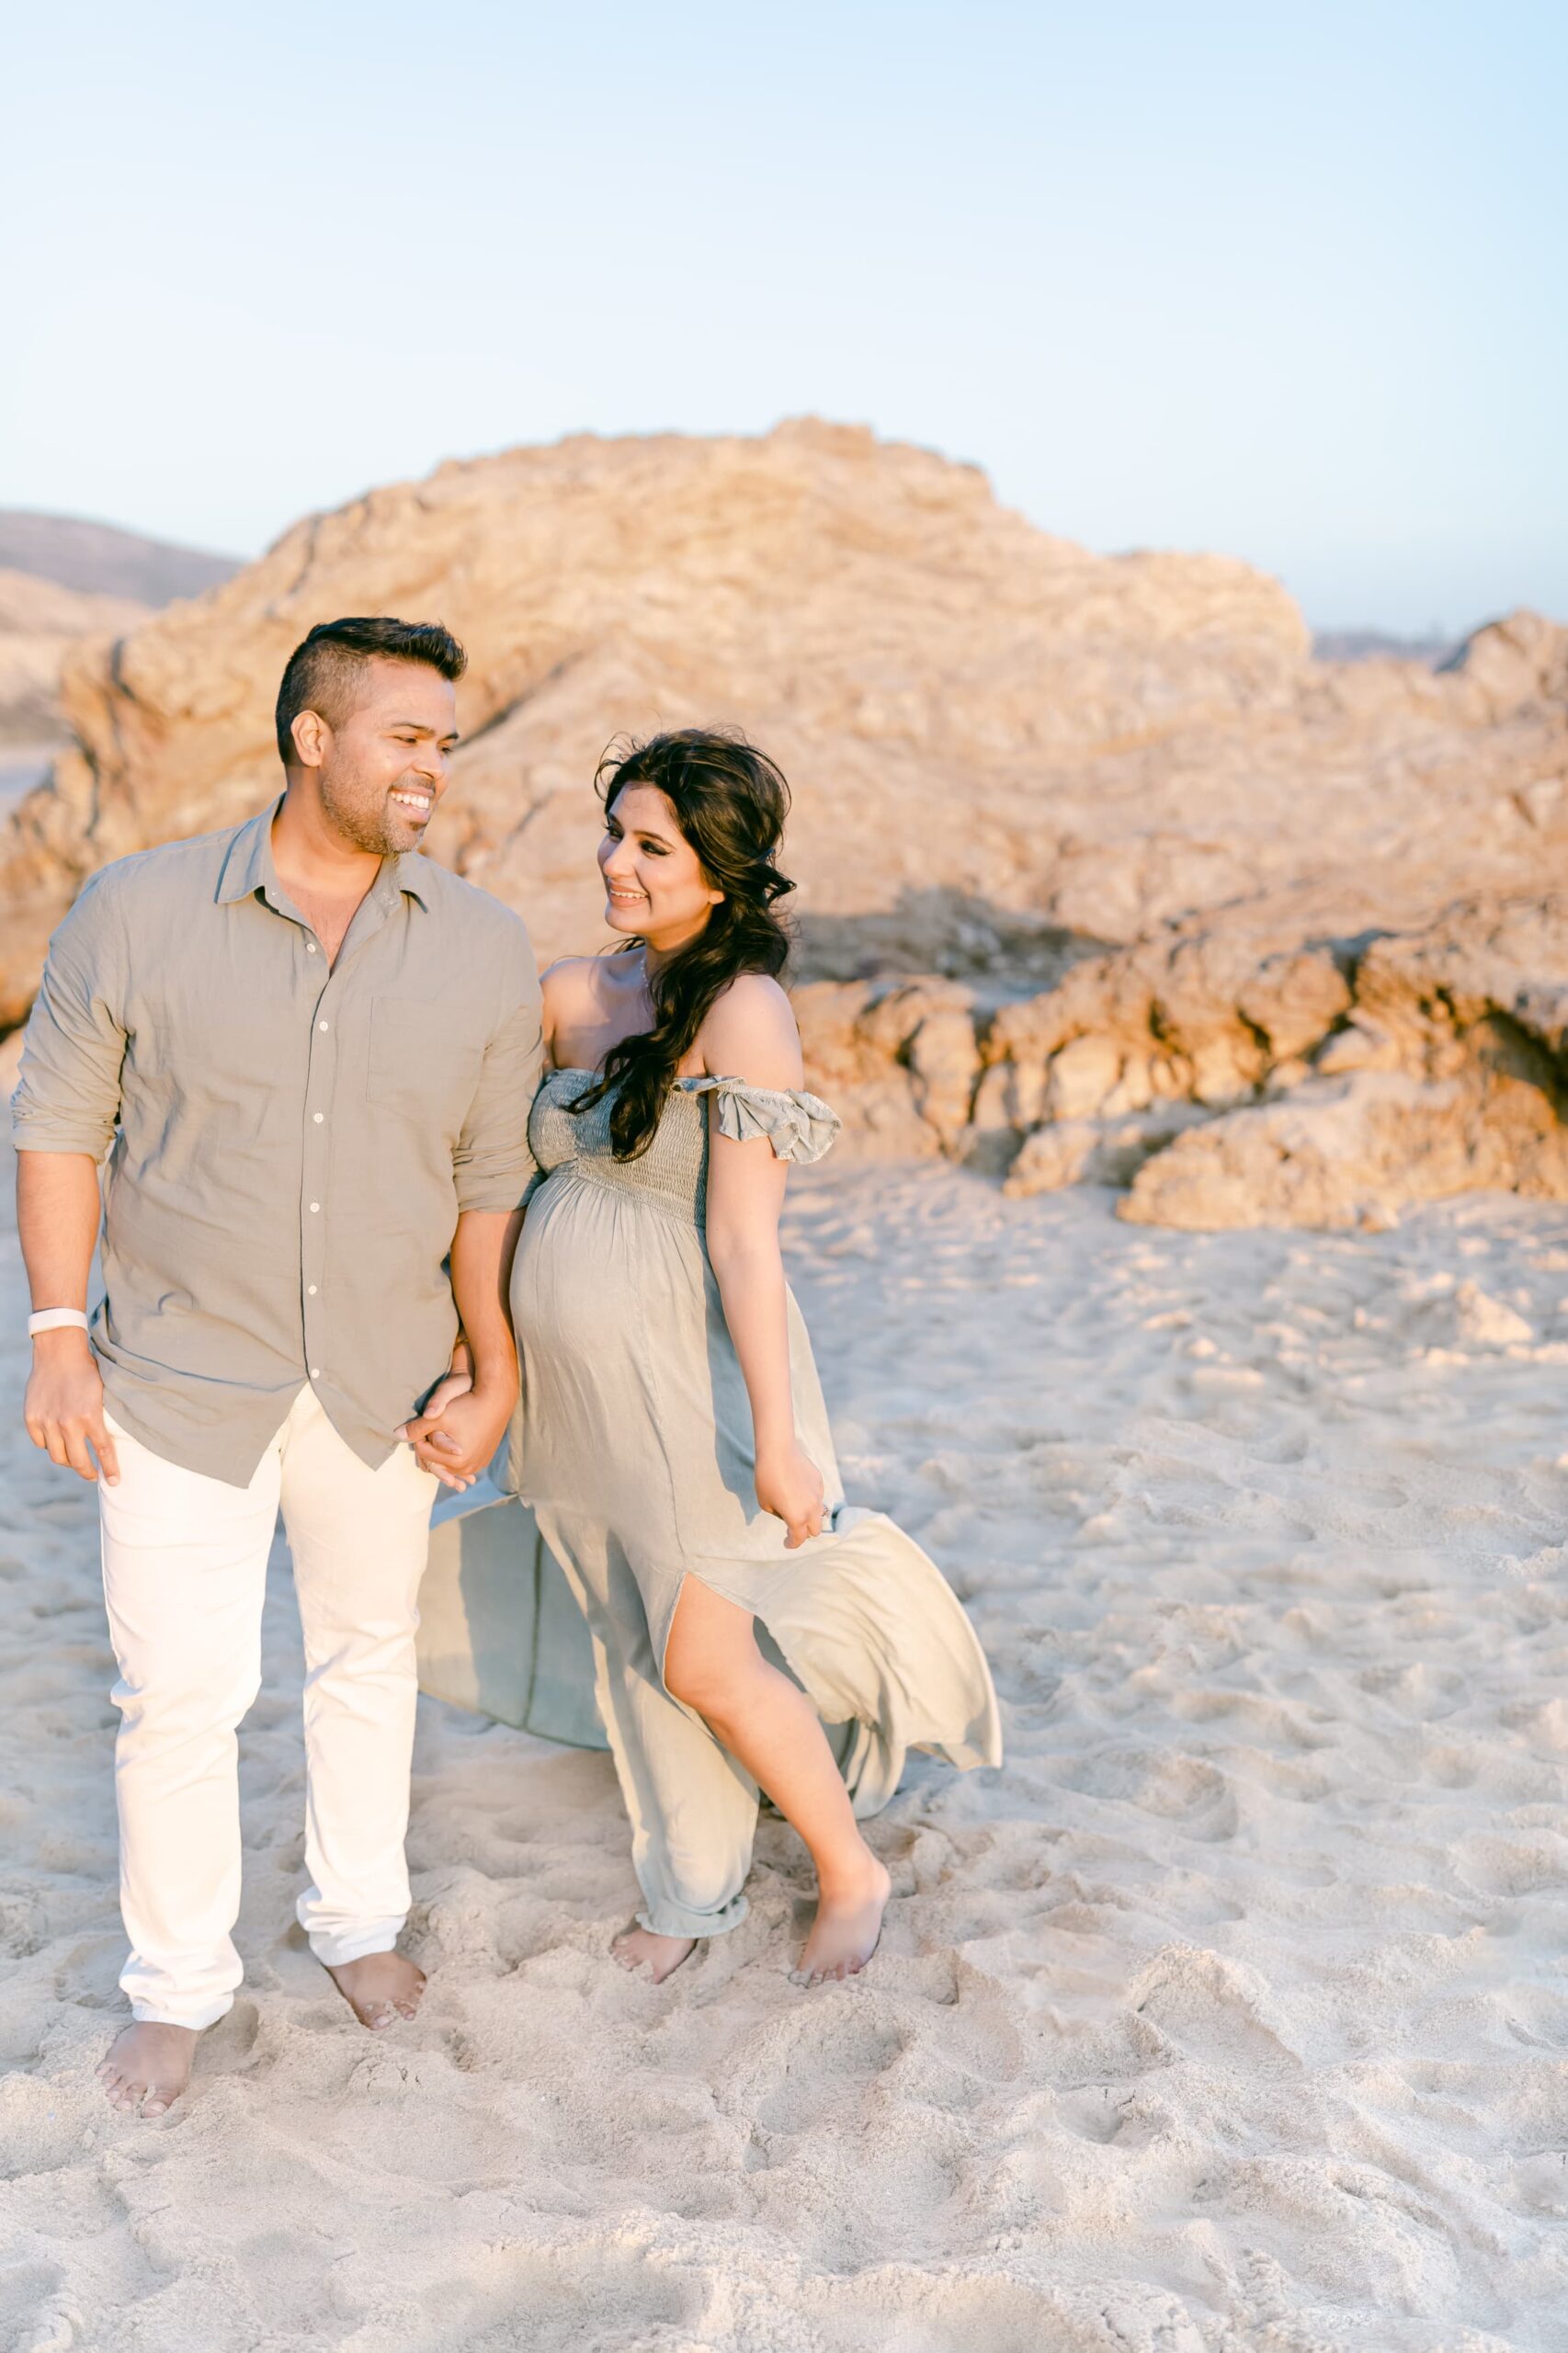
x=598 y=1271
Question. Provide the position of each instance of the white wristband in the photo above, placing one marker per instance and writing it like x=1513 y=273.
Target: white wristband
x=57 y=1319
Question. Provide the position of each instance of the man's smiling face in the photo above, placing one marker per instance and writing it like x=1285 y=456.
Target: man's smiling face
x=384 y=765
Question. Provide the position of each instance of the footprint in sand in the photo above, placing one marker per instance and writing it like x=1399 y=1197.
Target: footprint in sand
x=30 y=2320
x=1161 y=1782
x=595 y=2291
x=1419 y=1692
x=828 y=2066
x=1211 y=2008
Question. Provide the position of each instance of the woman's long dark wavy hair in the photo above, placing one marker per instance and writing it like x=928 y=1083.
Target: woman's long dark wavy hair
x=730 y=801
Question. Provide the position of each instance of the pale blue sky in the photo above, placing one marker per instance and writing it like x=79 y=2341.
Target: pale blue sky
x=1276 y=279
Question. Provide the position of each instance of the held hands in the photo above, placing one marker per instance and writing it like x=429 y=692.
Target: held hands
x=459 y=1429
x=789 y=1486
x=63 y=1408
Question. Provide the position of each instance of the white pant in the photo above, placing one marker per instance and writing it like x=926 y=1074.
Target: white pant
x=185 y=1573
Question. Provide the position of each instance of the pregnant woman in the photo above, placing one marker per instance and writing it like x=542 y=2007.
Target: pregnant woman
x=750 y=1630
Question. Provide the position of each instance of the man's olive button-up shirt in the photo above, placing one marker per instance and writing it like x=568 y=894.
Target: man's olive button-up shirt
x=289 y=1145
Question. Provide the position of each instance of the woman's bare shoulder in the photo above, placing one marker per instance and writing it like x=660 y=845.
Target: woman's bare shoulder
x=564 y=966
x=750 y=1033
x=570 y=980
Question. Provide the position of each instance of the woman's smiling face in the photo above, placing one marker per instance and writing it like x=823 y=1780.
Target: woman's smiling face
x=654 y=886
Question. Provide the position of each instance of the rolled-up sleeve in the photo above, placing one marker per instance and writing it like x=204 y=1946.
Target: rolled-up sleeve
x=67 y=1098
x=492 y=1165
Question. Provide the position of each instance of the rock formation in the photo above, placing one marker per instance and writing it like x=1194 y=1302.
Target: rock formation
x=1228 y=1081
x=40 y=624
x=944 y=685
x=1093 y=853
x=62 y=580
x=1447 y=1073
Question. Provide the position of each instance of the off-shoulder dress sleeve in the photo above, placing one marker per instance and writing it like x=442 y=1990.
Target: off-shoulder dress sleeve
x=799 y=1126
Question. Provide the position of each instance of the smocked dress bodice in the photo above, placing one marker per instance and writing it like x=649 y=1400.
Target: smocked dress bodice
x=673 y=1173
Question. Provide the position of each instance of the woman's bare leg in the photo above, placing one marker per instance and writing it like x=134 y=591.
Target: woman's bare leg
x=712 y=1663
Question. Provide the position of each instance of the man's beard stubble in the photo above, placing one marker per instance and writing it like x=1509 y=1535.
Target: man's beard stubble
x=372 y=828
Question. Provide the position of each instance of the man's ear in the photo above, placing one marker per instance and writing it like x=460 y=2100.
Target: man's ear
x=312 y=735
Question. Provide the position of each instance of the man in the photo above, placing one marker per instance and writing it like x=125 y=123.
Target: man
x=318 y=1049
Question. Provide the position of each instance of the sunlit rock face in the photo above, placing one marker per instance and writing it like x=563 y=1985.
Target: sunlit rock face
x=1228 y=1079
x=40 y=623
x=1090 y=845
x=968 y=708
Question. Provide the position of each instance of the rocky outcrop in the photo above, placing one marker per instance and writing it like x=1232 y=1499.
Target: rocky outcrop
x=1354 y=1152
x=40 y=624
x=1103 y=877
x=1006 y=751
x=1449 y=1073
x=943 y=683
x=899 y=1061
x=1228 y=1080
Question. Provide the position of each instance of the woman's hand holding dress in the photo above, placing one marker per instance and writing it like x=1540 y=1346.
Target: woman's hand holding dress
x=789 y=1486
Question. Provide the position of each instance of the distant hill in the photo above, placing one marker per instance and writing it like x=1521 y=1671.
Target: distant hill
x=1367 y=644
x=99 y=560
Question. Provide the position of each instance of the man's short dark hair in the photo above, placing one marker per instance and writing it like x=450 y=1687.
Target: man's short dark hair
x=321 y=672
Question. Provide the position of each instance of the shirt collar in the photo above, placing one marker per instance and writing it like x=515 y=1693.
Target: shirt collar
x=410 y=873
x=248 y=867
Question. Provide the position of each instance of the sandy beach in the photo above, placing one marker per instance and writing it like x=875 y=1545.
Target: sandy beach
x=1229 y=2017
x=1037 y=527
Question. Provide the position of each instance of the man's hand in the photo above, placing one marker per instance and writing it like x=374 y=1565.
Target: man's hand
x=456 y=1383
x=63 y=1408
x=463 y=1424
x=459 y=1430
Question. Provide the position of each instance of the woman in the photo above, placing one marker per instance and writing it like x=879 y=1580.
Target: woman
x=749 y=1631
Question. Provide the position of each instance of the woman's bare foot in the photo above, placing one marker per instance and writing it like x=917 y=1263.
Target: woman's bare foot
x=148 y=2066
x=641 y=1948
x=848 y=1922
x=379 y=1988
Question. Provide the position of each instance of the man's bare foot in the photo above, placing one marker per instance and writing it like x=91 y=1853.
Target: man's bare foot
x=848 y=1922
x=148 y=2066
x=379 y=1988
x=641 y=1948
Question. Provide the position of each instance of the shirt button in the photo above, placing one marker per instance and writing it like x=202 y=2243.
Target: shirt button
x=324 y=1025
x=309 y=947
x=319 y=1118
x=315 y=1372
x=312 y=1292
x=314 y=1207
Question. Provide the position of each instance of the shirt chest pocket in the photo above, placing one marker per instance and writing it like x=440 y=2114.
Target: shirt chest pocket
x=422 y=1061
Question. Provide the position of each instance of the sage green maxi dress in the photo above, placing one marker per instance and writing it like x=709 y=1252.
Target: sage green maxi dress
x=633 y=1447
